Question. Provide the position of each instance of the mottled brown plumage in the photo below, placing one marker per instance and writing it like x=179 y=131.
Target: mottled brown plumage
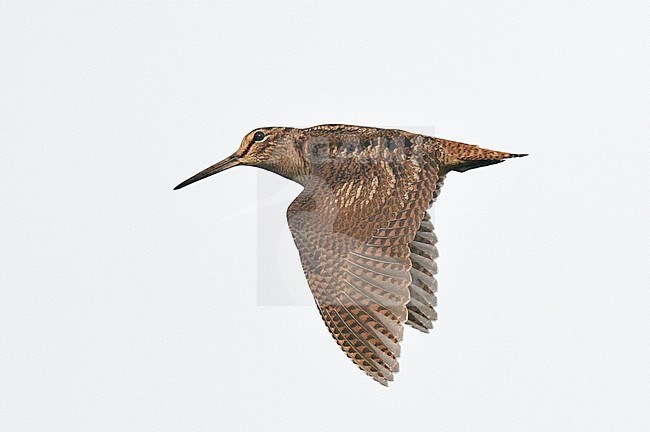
x=361 y=225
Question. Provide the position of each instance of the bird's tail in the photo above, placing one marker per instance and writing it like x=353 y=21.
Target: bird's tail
x=461 y=157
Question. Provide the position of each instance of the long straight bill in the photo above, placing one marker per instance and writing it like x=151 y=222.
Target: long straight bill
x=228 y=162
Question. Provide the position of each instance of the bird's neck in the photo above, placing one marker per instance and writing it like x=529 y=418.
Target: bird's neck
x=295 y=169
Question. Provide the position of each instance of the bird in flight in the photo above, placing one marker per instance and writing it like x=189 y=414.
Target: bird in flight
x=366 y=242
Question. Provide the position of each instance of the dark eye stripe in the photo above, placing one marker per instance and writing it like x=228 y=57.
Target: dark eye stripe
x=255 y=138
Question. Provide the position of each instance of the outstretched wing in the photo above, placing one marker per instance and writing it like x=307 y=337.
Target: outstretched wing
x=353 y=224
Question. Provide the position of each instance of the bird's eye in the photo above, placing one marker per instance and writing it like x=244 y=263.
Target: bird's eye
x=259 y=136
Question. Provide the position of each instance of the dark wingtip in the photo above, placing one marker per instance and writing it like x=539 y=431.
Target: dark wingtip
x=516 y=155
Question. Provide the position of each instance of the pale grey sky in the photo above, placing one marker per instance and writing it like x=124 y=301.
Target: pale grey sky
x=126 y=306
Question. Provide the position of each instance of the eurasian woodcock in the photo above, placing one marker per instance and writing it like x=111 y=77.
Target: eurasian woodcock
x=361 y=226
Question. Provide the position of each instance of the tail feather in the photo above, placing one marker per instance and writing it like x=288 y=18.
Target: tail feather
x=461 y=157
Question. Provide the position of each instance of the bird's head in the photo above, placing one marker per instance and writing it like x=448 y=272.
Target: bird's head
x=275 y=149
